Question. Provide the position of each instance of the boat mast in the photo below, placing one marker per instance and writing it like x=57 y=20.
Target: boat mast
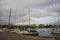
x=58 y=22
x=22 y=17
x=29 y=16
x=55 y=21
x=15 y=16
x=10 y=17
x=29 y=19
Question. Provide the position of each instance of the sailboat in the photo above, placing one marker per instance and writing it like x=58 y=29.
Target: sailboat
x=57 y=29
x=9 y=22
x=31 y=31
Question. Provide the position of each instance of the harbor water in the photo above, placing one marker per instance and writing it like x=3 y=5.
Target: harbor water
x=45 y=32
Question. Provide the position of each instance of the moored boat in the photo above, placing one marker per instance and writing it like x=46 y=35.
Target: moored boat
x=56 y=31
x=32 y=32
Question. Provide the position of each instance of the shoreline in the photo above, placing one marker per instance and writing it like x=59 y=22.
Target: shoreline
x=9 y=36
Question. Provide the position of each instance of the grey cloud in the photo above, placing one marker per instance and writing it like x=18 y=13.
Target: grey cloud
x=50 y=10
x=54 y=7
x=38 y=8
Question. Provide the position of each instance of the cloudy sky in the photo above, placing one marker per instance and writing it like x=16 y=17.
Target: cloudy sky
x=41 y=11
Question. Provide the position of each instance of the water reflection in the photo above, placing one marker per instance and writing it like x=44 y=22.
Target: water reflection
x=45 y=32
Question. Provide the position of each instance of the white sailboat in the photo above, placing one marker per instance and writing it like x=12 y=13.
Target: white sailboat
x=57 y=29
x=31 y=31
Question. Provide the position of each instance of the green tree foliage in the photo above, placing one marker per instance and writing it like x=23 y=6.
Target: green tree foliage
x=32 y=26
x=49 y=26
x=40 y=26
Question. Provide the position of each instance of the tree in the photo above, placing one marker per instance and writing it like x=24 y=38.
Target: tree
x=33 y=26
x=49 y=26
x=41 y=26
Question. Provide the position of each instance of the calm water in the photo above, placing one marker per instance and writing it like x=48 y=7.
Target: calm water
x=45 y=32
